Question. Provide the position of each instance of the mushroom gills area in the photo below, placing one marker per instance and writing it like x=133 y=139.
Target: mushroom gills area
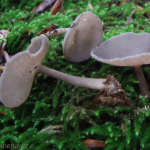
x=127 y=49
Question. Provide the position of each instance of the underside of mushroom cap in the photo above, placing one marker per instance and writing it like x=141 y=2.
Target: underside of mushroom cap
x=84 y=34
x=17 y=77
x=126 y=49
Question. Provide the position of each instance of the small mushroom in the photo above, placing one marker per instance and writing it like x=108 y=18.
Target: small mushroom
x=81 y=37
x=127 y=49
x=17 y=77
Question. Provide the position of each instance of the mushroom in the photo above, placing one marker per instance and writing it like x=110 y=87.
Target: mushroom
x=81 y=37
x=17 y=77
x=127 y=49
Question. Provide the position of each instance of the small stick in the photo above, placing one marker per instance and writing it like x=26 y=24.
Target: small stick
x=55 y=32
x=56 y=7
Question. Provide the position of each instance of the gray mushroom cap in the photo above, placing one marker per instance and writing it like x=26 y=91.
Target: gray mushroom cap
x=17 y=77
x=84 y=34
x=126 y=49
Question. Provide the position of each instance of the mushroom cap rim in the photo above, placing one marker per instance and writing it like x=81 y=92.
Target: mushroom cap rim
x=111 y=61
x=127 y=60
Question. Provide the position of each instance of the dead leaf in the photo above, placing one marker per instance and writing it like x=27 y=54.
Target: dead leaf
x=2 y=113
x=123 y=1
x=53 y=27
x=63 y=11
x=90 y=143
x=107 y=100
x=56 y=7
x=42 y=6
x=139 y=7
x=112 y=98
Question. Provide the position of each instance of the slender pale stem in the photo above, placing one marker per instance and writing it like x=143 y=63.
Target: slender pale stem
x=55 y=32
x=77 y=81
x=142 y=82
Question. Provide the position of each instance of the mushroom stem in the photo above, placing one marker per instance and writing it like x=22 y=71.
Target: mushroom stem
x=78 y=81
x=142 y=82
x=55 y=32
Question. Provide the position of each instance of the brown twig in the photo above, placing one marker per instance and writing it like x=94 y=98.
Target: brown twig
x=53 y=27
x=56 y=7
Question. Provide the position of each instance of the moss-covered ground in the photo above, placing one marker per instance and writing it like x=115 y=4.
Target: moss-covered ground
x=54 y=103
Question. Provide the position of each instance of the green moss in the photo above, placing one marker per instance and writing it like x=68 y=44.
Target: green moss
x=53 y=102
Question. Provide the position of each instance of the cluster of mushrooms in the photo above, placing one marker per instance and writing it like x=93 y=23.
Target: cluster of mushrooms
x=83 y=39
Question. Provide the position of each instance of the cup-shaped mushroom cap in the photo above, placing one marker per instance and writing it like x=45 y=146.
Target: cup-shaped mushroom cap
x=17 y=78
x=84 y=34
x=126 y=49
